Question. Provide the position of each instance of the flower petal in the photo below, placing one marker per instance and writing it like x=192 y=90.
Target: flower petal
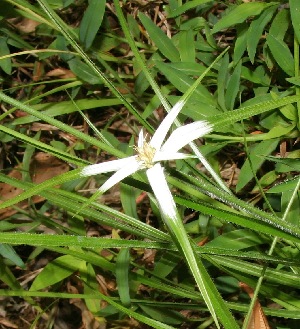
x=141 y=139
x=127 y=170
x=185 y=134
x=166 y=155
x=161 y=191
x=161 y=132
x=101 y=168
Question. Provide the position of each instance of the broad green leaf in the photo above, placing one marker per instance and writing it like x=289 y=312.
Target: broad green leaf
x=240 y=13
x=233 y=87
x=188 y=5
x=8 y=278
x=166 y=264
x=222 y=81
x=256 y=29
x=289 y=163
x=89 y=278
x=266 y=180
x=263 y=148
x=91 y=21
x=122 y=272
x=280 y=24
x=182 y=82
x=8 y=252
x=162 y=42
x=237 y=239
x=295 y=14
x=186 y=46
x=71 y=37
x=84 y=72
x=191 y=68
x=240 y=42
x=128 y=199
x=282 y=54
x=168 y=316
x=288 y=201
x=288 y=185
x=5 y=63
x=56 y=271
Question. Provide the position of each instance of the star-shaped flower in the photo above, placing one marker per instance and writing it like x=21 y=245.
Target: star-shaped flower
x=150 y=154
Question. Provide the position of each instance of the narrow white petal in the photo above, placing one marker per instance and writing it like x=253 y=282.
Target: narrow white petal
x=141 y=139
x=161 y=191
x=127 y=170
x=163 y=156
x=101 y=168
x=161 y=132
x=185 y=134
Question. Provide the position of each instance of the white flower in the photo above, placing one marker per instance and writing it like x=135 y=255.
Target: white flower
x=148 y=156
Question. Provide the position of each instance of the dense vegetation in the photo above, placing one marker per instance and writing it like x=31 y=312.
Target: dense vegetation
x=80 y=79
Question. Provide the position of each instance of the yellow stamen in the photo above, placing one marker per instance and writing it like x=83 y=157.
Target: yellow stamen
x=145 y=154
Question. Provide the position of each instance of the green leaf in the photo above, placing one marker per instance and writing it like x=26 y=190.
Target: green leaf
x=263 y=148
x=162 y=42
x=56 y=271
x=84 y=72
x=186 y=46
x=279 y=228
x=240 y=13
x=291 y=164
x=282 y=54
x=237 y=239
x=295 y=14
x=128 y=195
x=122 y=270
x=219 y=121
x=241 y=42
x=256 y=29
x=288 y=185
x=183 y=82
x=233 y=87
x=185 y=7
x=91 y=22
x=8 y=252
x=280 y=24
x=168 y=316
x=5 y=63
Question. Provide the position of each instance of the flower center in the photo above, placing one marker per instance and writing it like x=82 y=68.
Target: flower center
x=145 y=154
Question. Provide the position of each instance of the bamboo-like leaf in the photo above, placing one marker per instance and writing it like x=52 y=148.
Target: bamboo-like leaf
x=122 y=271
x=256 y=29
x=162 y=42
x=282 y=54
x=91 y=21
x=187 y=6
x=5 y=63
x=239 y=14
x=55 y=271
x=295 y=14
x=263 y=148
